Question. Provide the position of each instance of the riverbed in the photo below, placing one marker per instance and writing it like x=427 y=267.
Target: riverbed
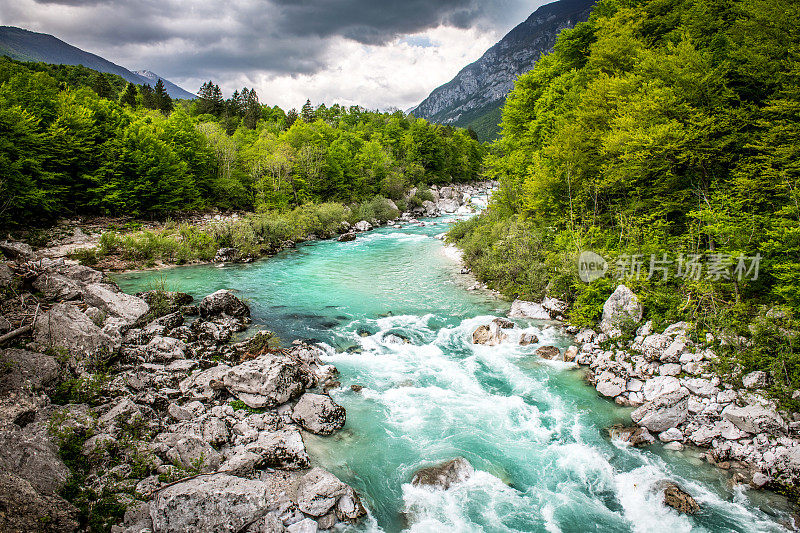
x=396 y=317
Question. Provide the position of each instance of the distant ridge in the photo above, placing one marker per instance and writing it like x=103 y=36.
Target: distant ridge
x=26 y=45
x=477 y=93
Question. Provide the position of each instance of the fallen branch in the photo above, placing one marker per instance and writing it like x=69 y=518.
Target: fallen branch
x=20 y=330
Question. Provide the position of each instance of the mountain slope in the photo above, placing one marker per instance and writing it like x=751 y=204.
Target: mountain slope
x=25 y=45
x=474 y=97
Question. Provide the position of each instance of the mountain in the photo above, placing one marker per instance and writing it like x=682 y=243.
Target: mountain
x=477 y=93
x=171 y=88
x=25 y=45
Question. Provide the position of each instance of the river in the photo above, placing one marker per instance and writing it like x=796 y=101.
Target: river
x=532 y=429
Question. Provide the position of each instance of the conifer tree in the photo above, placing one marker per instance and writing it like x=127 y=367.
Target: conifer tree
x=101 y=86
x=162 y=98
x=148 y=97
x=308 y=112
x=128 y=96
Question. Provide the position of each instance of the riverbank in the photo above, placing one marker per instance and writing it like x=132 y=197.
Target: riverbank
x=144 y=413
x=678 y=398
x=122 y=245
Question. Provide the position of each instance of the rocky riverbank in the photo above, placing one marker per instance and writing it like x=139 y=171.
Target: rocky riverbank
x=140 y=413
x=678 y=399
x=123 y=244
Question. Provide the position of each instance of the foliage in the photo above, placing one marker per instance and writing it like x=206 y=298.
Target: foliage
x=657 y=126
x=74 y=141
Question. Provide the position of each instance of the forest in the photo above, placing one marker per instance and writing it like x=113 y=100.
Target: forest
x=74 y=141
x=659 y=127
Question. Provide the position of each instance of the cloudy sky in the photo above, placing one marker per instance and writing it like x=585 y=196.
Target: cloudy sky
x=379 y=54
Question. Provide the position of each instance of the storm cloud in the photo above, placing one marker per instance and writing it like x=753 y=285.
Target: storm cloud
x=268 y=43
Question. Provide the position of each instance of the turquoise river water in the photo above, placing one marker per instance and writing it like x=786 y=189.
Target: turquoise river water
x=532 y=429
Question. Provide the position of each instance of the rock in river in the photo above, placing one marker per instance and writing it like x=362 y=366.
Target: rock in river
x=445 y=475
x=266 y=381
x=223 y=302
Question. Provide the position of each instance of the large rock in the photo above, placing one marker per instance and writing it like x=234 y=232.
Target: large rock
x=319 y=491
x=281 y=449
x=654 y=346
x=755 y=419
x=65 y=326
x=610 y=385
x=32 y=457
x=27 y=370
x=24 y=509
x=266 y=381
x=655 y=387
x=664 y=412
x=165 y=349
x=223 y=302
x=195 y=454
x=319 y=414
x=621 y=309
x=363 y=226
x=56 y=287
x=532 y=310
x=635 y=436
x=114 y=303
x=755 y=380
x=219 y=503
x=677 y=498
x=490 y=335
x=445 y=475
x=17 y=250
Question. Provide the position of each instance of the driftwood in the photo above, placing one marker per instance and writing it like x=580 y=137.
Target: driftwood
x=19 y=331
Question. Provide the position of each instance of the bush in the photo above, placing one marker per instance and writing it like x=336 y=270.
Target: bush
x=376 y=210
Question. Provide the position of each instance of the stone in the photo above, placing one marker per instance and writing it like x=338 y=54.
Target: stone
x=363 y=226
x=755 y=419
x=164 y=349
x=56 y=287
x=677 y=498
x=266 y=381
x=585 y=336
x=444 y=475
x=241 y=464
x=33 y=457
x=669 y=369
x=17 y=250
x=678 y=328
x=503 y=323
x=24 y=370
x=701 y=387
x=165 y=302
x=760 y=480
x=116 y=304
x=214 y=431
x=672 y=353
x=347 y=237
x=319 y=414
x=659 y=385
x=635 y=436
x=124 y=410
x=526 y=339
x=206 y=383
x=281 y=449
x=530 y=310
x=65 y=326
x=490 y=335
x=671 y=435
x=306 y=525
x=26 y=509
x=653 y=346
x=349 y=507
x=621 y=308
x=610 y=385
x=703 y=435
x=220 y=503
x=571 y=354
x=674 y=446
x=194 y=453
x=554 y=306
x=755 y=380
x=548 y=352
x=319 y=491
x=179 y=413
x=663 y=412
x=223 y=302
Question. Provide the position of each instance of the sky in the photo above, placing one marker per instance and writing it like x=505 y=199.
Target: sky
x=378 y=54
